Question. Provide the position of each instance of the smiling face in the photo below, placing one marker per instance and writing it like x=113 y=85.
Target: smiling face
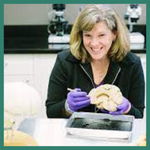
x=98 y=41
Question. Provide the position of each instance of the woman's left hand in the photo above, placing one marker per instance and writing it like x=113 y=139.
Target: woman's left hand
x=123 y=108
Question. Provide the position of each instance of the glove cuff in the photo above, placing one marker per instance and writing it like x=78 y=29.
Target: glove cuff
x=129 y=107
x=67 y=108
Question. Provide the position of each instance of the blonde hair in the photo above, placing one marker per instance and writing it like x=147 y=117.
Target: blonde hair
x=85 y=22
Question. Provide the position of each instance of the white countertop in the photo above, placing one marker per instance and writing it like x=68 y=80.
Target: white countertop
x=52 y=132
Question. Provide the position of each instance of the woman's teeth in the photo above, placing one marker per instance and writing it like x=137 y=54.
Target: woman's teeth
x=96 y=50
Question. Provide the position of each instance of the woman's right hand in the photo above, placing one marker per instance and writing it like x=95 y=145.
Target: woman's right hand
x=77 y=99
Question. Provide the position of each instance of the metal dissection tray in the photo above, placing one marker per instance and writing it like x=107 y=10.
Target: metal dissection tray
x=101 y=126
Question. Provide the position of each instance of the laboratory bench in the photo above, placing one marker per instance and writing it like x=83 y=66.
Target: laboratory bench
x=52 y=132
x=34 y=45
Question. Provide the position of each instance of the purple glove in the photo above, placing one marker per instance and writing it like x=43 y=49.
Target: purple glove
x=122 y=108
x=77 y=99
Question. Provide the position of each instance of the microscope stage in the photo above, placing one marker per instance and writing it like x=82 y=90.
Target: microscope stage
x=136 y=41
x=58 y=42
x=59 y=39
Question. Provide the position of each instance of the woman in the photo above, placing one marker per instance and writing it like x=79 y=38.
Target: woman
x=99 y=54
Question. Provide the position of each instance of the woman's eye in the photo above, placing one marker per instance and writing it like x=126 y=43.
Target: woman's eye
x=101 y=35
x=87 y=35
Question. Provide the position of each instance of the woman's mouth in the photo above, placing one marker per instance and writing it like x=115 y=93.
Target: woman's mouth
x=96 y=51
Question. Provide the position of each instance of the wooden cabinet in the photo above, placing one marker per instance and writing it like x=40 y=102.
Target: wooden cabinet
x=19 y=67
x=34 y=69
x=43 y=64
x=143 y=60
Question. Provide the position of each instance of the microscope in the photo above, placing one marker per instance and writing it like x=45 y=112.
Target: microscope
x=133 y=14
x=58 y=37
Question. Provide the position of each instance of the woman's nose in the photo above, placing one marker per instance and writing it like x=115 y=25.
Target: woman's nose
x=94 y=42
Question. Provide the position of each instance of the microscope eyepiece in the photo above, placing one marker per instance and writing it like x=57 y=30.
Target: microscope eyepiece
x=58 y=7
x=134 y=6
